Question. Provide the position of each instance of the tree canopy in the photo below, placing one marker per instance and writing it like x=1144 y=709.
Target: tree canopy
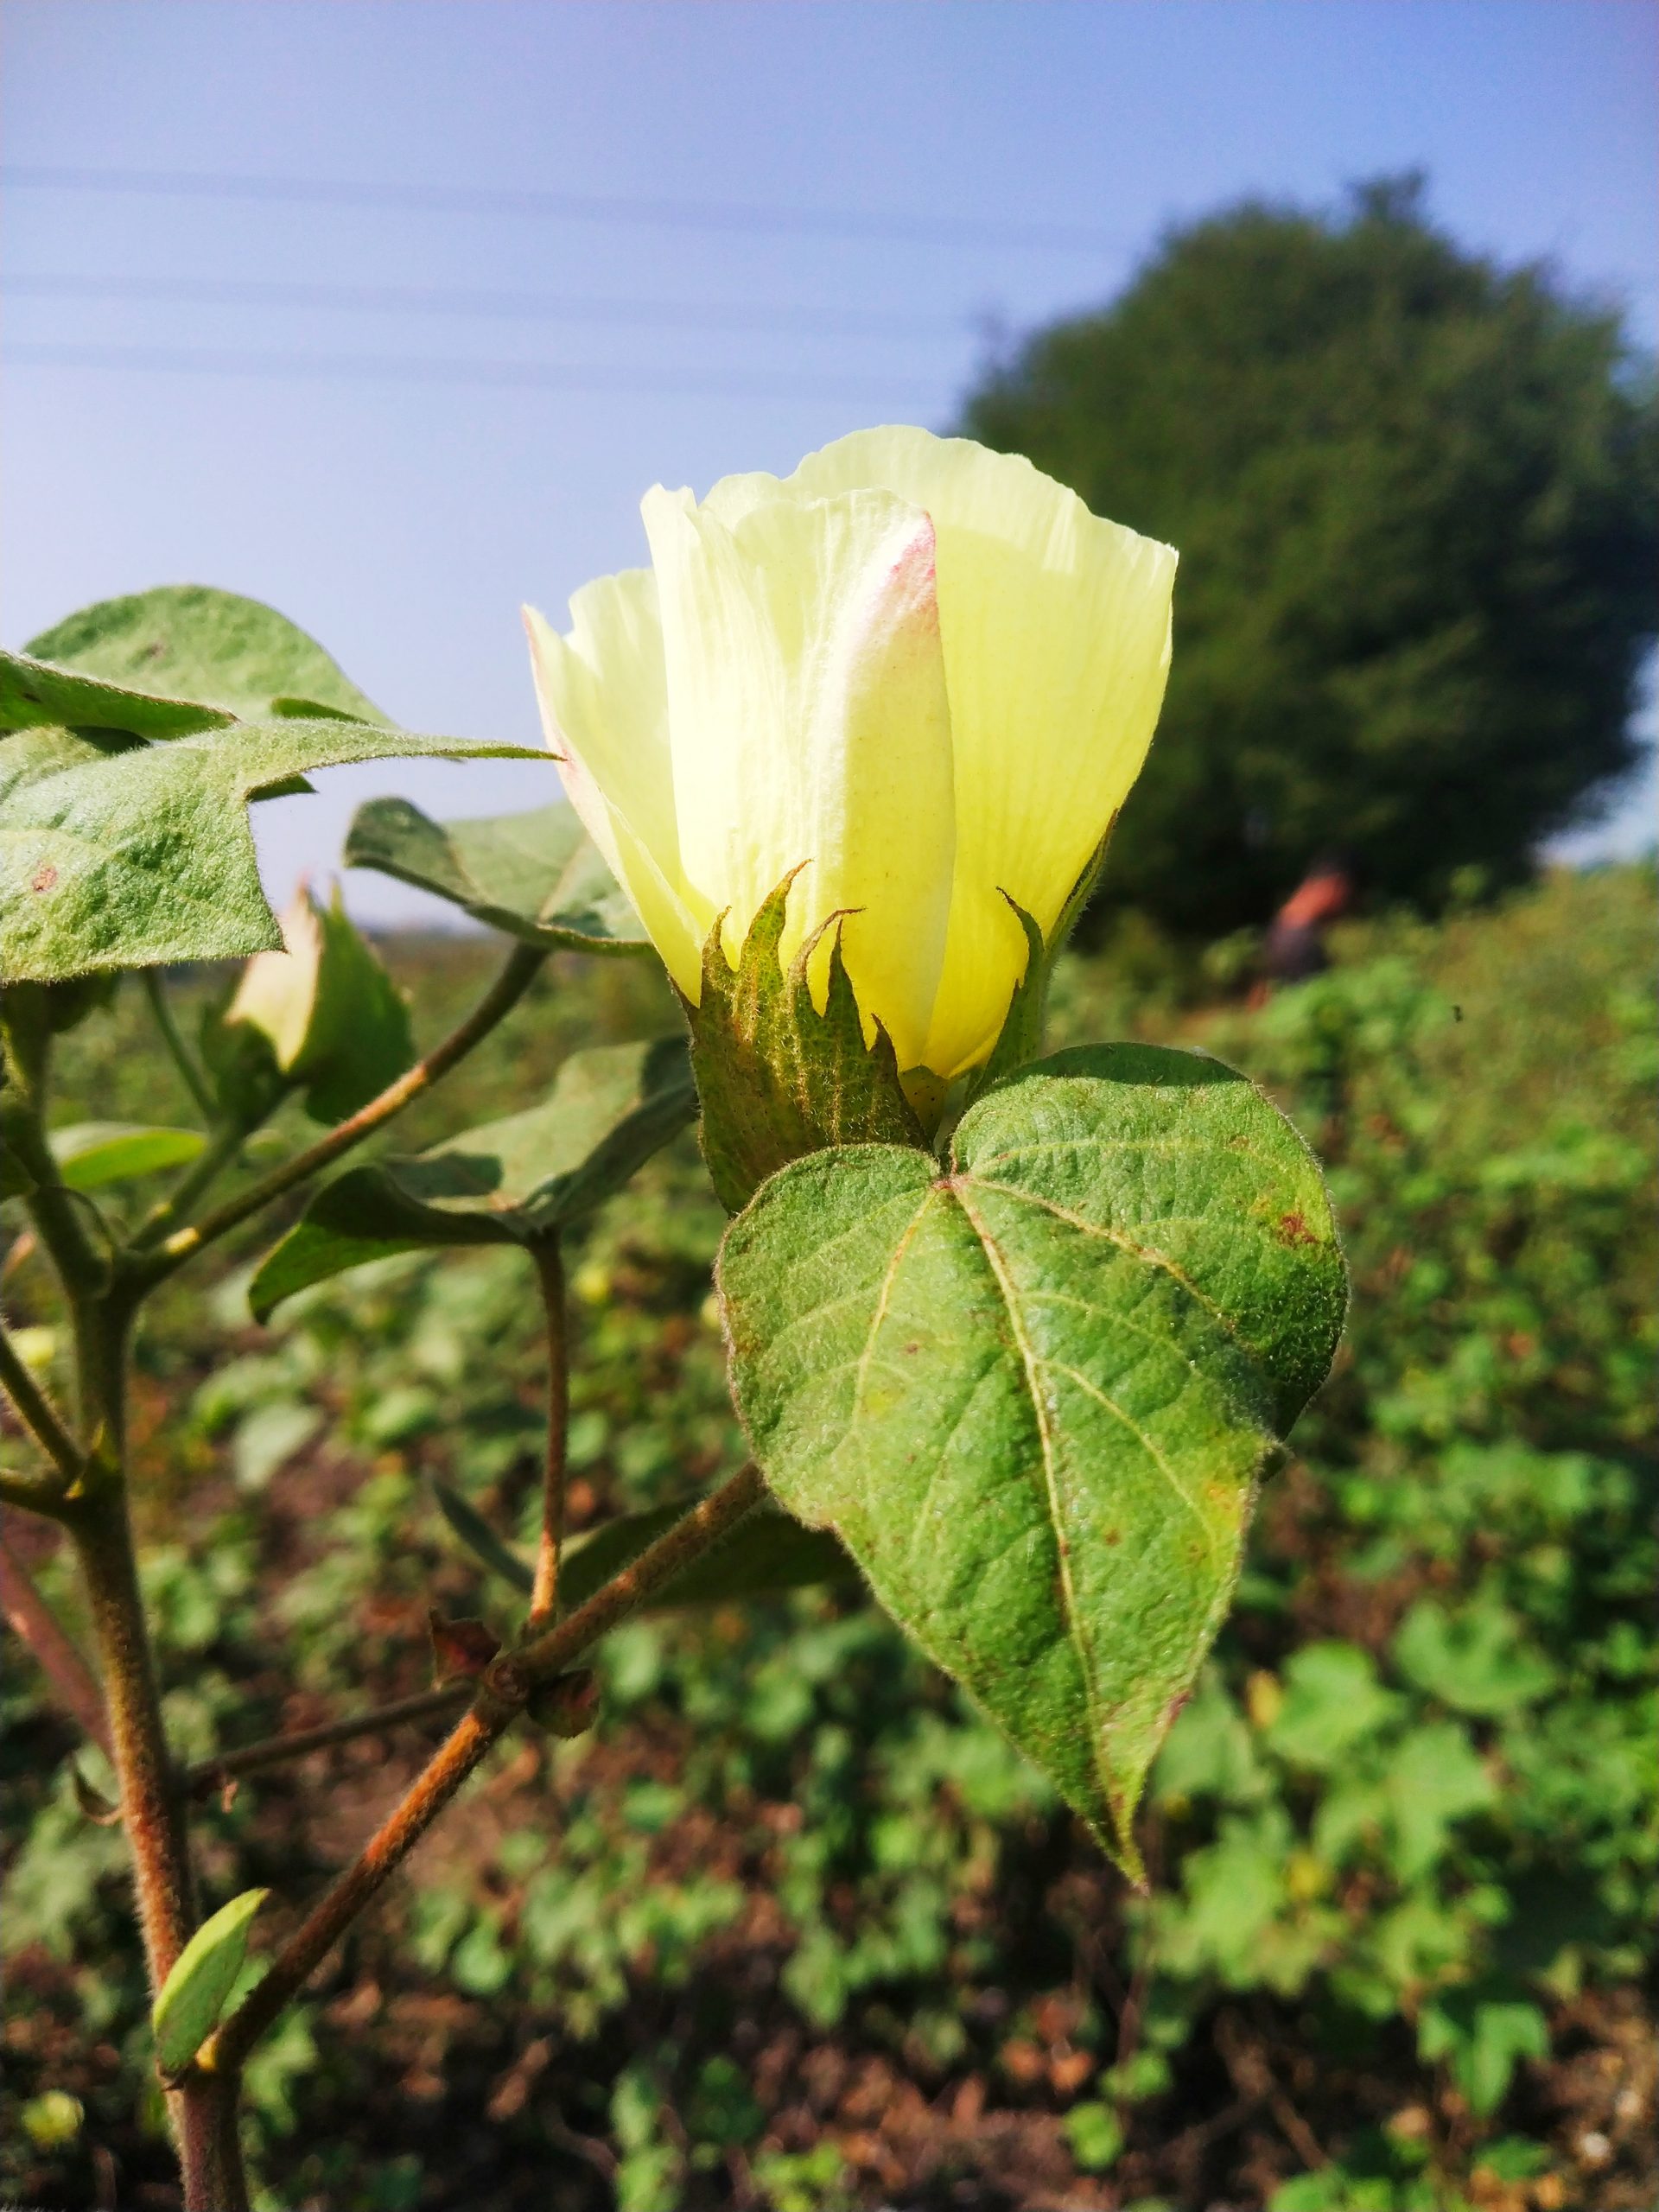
x=1416 y=497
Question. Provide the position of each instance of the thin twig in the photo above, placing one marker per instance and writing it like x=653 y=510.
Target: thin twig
x=208 y=1774
x=510 y=986
x=215 y=1156
x=545 y=1591
x=35 y=1411
x=34 y=1624
x=193 y=1080
x=501 y=1695
x=473 y=1736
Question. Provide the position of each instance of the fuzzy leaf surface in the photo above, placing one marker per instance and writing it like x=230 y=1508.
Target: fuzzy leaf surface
x=1034 y=1393
x=212 y=648
x=120 y=853
x=509 y=1182
x=534 y=875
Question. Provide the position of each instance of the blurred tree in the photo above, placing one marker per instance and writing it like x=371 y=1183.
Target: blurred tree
x=1417 y=501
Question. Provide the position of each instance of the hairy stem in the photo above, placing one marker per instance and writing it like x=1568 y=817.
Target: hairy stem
x=545 y=1591
x=38 y=1629
x=182 y=1059
x=328 y=1921
x=510 y=986
x=501 y=1695
x=152 y=1802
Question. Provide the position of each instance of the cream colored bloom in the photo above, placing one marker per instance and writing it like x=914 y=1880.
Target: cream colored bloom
x=918 y=671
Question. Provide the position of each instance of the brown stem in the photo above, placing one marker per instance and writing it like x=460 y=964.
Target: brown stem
x=497 y=1706
x=152 y=1803
x=208 y=1774
x=502 y=1692
x=545 y=1591
x=510 y=986
x=34 y=1624
x=549 y=1653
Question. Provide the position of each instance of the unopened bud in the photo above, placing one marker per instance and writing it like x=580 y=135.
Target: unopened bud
x=566 y=1705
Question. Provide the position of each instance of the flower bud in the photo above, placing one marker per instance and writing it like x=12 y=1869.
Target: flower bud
x=881 y=714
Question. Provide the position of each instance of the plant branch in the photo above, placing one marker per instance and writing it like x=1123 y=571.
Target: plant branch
x=35 y=1411
x=38 y=1629
x=549 y=1654
x=439 y=1780
x=222 y=1147
x=208 y=1774
x=545 y=1591
x=510 y=986
x=190 y=1074
x=501 y=1695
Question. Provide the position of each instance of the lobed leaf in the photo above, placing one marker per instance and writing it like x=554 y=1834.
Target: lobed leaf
x=1035 y=1394
x=534 y=875
x=117 y=853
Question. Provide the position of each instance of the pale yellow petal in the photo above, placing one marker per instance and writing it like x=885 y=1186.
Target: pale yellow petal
x=809 y=724
x=1056 y=629
x=604 y=709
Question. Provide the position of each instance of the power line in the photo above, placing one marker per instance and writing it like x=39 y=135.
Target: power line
x=397 y=299
x=470 y=199
x=400 y=368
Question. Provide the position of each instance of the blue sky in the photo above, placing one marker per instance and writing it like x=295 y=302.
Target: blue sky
x=696 y=237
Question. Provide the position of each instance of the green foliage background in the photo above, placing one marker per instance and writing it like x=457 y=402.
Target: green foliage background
x=1417 y=501
x=793 y=1928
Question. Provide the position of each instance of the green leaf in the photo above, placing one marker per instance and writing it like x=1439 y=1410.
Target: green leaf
x=1476 y=1662
x=188 y=642
x=777 y=1078
x=534 y=875
x=34 y=694
x=337 y=1025
x=191 y=1998
x=122 y=855
x=1482 y=2033
x=1035 y=1394
x=1333 y=1702
x=507 y=1183
x=93 y=1152
x=491 y=1551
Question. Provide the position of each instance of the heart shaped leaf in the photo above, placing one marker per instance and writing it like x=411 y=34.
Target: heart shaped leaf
x=510 y=1182
x=534 y=875
x=1034 y=1393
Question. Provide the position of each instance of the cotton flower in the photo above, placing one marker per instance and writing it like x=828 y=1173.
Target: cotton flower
x=919 y=675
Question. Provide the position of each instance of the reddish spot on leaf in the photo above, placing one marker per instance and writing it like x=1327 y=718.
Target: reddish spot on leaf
x=1292 y=1230
x=44 y=877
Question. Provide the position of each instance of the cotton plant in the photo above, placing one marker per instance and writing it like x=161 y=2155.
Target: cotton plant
x=1013 y=1339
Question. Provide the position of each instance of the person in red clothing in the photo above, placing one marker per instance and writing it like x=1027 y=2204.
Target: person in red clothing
x=1295 y=942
